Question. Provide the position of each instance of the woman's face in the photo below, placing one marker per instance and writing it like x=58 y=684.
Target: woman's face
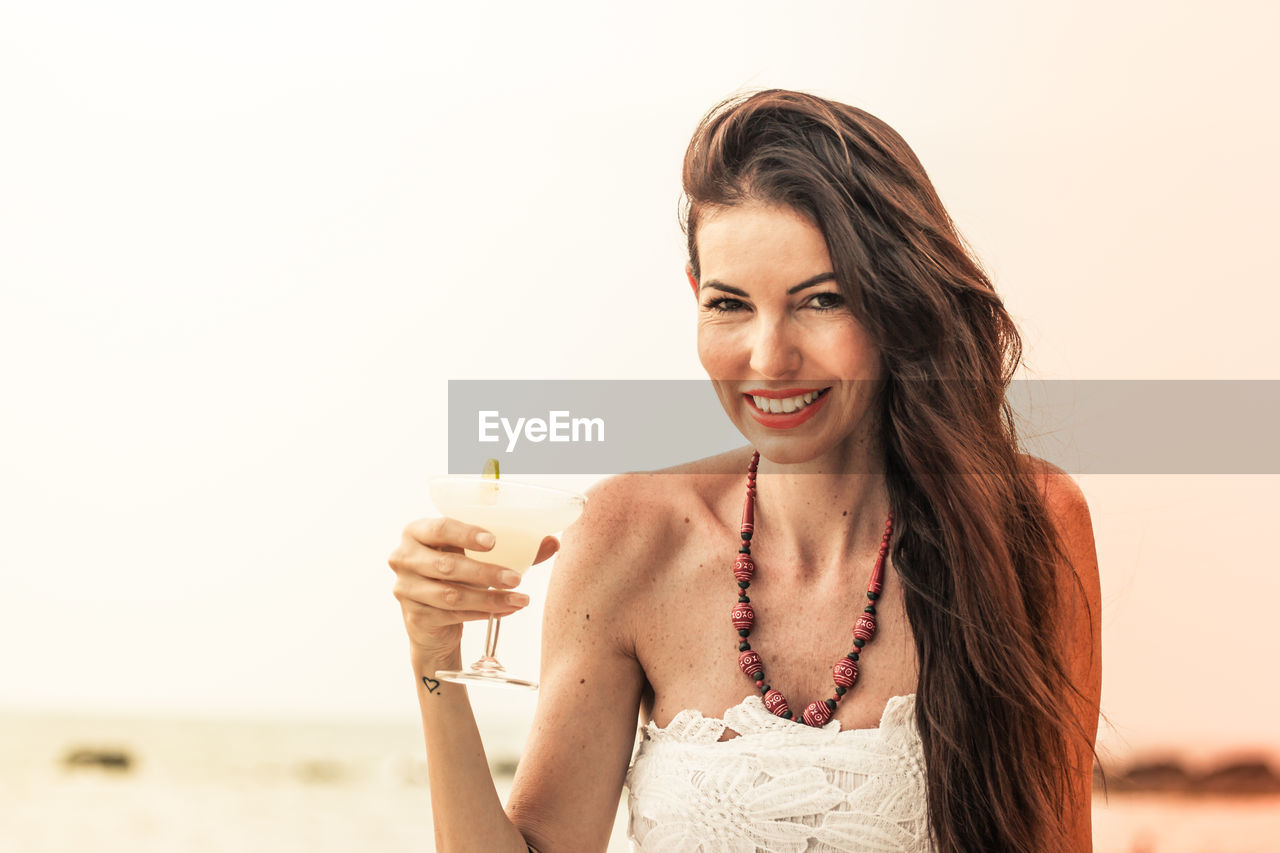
x=794 y=369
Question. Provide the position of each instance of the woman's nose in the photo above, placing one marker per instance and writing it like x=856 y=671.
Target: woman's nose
x=775 y=350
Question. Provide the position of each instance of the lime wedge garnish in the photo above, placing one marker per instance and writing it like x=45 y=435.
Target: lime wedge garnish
x=489 y=479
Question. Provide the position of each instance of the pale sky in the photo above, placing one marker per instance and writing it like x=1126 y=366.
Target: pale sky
x=243 y=248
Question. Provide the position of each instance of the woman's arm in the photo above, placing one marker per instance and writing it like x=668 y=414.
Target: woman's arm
x=466 y=811
x=439 y=588
x=1082 y=604
x=569 y=781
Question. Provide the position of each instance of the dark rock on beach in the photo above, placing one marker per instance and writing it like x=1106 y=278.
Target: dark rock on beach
x=1159 y=776
x=321 y=772
x=1246 y=776
x=115 y=760
x=1240 y=777
x=503 y=766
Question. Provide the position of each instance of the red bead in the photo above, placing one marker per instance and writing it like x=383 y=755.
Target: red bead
x=877 y=578
x=748 y=514
x=759 y=682
x=776 y=703
x=845 y=672
x=744 y=567
x=743 y=617
x=817 y=714
x=750 y=663
x=865 y=628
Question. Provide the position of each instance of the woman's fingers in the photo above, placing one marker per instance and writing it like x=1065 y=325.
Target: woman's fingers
x=434 y=610
x=455 y=598
x=439 y=587
x=449 y=532
x=421 y=552
x=549 y=546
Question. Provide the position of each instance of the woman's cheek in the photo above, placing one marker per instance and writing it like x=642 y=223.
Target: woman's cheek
x=711 y=350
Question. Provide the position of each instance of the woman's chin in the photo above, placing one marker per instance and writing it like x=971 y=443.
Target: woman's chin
x=785 y=449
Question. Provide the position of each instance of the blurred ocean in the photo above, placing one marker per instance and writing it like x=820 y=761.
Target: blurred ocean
x=222 y=785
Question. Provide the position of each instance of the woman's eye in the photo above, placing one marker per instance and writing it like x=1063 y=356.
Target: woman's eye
x=827 y=301
x=724 y=304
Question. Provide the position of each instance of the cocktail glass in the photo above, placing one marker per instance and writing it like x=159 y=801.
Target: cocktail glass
x=520 y=516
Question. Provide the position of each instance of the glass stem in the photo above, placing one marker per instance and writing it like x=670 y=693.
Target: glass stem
x=491 y=636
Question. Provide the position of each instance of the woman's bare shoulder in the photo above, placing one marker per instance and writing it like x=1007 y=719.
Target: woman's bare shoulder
x=652 y=498
x=644 y=519
x=1063 y=497
x=1068 y=510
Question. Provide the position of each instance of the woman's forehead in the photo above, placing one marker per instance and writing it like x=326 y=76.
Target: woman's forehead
x=745 y=240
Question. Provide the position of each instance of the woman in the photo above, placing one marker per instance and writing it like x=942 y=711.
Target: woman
x=864 y=355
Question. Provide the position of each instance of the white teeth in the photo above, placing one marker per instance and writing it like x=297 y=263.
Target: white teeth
x=788 y=405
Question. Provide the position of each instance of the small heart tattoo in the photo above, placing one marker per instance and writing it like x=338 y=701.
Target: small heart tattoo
x=432 y=684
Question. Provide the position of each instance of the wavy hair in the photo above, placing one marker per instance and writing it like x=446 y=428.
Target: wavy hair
x=976 y=551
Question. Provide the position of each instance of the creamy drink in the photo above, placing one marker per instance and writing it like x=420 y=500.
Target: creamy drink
x=519 y=516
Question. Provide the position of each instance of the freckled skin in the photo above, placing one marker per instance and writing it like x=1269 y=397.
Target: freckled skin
x=802 y=625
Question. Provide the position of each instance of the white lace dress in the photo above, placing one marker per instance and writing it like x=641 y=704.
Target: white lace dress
x=779 y=786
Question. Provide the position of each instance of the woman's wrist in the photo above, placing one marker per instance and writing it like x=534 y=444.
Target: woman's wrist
x=426 y=661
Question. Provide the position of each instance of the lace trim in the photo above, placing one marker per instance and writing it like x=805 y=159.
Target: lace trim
x=750 y=717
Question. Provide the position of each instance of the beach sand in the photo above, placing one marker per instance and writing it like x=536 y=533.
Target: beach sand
x=215 y=785
x=289 y=787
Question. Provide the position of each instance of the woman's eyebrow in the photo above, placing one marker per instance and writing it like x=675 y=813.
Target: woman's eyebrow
x=737 y=291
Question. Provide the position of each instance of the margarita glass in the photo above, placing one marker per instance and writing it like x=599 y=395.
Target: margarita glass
x=520 y=516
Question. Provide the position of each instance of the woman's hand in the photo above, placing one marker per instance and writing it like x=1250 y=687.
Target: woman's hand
x=439 y=587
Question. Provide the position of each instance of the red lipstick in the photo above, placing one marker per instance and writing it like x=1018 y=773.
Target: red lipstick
x=784 y=420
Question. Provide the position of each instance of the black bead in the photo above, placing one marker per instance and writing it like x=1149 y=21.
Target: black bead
x=744 y=646
x=743 y=632
x=746 y=534
x=745 y=549
x=764 y=688
x=786 y=715
x=743 y=584
x=840 y=691
x=873 y=595
x=742 y=599
x=831 y=703
x=870 y=608
x=852 y=656
x=859 y=642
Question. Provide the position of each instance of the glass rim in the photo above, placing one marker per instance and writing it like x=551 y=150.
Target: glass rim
x=515 y=484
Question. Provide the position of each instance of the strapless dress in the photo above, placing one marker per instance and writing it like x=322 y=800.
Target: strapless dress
x=779 y=786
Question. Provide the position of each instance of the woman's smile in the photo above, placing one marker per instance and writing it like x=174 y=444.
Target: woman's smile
x=784 y=409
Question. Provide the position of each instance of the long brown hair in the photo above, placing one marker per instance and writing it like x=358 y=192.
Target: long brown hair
x=976 y=551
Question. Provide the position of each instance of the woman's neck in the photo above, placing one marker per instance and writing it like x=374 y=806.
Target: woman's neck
x=822 y=514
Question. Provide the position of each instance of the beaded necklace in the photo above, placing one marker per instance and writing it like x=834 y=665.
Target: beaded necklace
x=845 y=671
